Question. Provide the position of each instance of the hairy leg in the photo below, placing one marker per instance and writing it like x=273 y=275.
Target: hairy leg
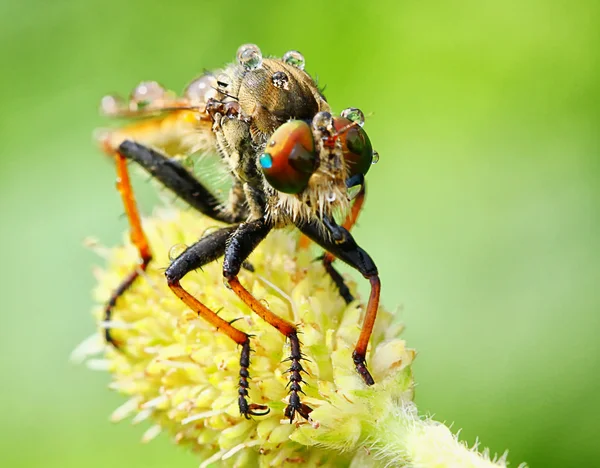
x=339 y=242
x=241 y=244
x=181 y=182
x=202 y=252
x=327 y=258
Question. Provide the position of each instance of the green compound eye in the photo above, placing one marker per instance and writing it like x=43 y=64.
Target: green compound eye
x=357 y=148
x=289 y=158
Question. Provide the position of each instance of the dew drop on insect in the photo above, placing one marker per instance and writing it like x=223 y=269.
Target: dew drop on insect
x=209 y=230
x=375 y=157
x=295 y=58
x=323 y=120
x=330 y=197
x=249 y=56
x=226 y=284
x=111 y=104
x=223 y=82
x=146 y=93
x=176 y=250
x=354 y=115
x=201 y=89
x=264 y=302
x=280 y=80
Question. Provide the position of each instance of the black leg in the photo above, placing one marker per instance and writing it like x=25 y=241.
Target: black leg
x=202 y=252
x=184 y=185
x=175 y=177
x=339 y=242
x=337 y=278
x=349 y=222
x=241 y=244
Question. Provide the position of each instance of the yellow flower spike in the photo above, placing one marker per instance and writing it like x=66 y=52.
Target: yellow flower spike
x=181 y=373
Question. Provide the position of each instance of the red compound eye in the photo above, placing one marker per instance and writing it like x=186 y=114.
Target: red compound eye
x=357 y=148
x=289 y=158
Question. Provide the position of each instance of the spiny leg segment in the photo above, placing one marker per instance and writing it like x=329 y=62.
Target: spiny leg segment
x=241 y=244
x=243 y=239
x=236 y=242
x=202 y=252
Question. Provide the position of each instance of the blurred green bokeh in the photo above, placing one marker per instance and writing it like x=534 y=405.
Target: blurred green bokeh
x=483 y=211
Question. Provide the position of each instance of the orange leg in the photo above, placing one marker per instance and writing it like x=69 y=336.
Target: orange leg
x=206 y=250
x=138 y=238
x=343 y=246
x=290 y=331
x=360 y=350
x=211 y=317
x=241 y=338
x=239 y=246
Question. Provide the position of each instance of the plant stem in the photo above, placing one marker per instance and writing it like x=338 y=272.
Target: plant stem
x=399 y=437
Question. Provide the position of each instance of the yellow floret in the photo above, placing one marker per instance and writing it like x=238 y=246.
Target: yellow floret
x=182 y=374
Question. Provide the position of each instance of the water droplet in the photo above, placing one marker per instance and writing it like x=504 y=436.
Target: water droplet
x=176 y=250
x=223 y=83
x=111 y=104
x=249 y=56
x=201 y=89
x=375 y=157
x=264 y=302
x=353 y=192
x=280 y=80
x=354 y=115
x=145 y=94
x=323 y=121
x=295 y=58
x=331 y=197
x=209 y=230
x=226 y=284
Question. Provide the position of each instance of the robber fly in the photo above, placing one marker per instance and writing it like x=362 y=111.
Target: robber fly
x=291 y=163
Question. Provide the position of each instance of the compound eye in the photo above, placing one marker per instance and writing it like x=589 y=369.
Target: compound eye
x=357 y=148
x=289 y=158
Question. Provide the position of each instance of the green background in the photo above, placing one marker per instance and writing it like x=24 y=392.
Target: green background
x=483 y=210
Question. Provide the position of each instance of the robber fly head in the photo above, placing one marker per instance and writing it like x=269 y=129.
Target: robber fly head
x=311 y=161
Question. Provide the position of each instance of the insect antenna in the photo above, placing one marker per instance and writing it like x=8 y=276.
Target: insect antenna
x=235 y=98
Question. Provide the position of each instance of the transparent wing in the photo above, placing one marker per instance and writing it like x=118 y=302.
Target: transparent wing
x=175 y=125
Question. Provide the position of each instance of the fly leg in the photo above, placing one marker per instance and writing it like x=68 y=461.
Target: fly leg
x=138 y=238
x=181 y=182
x=202 y=252
x=348 y=224
x=339 y=242
x=242 y=243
